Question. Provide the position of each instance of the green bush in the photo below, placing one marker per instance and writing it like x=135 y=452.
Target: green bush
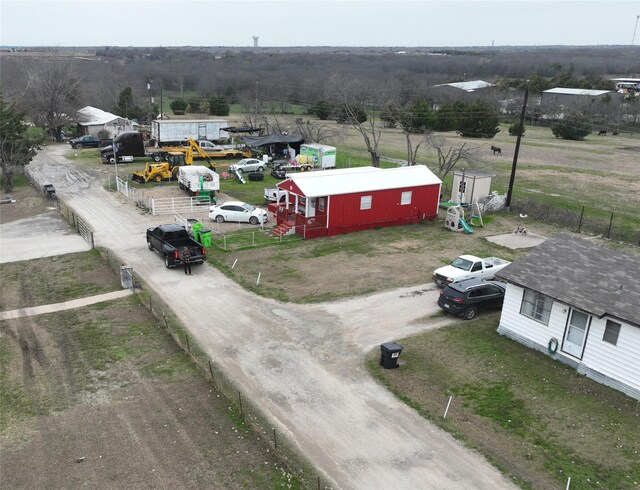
x=514 y=129
x=574 y=127
x=179 y=106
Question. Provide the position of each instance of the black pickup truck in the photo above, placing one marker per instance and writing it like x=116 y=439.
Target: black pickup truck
x=170 y=241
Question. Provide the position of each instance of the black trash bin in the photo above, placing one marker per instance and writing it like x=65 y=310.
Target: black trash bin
x=389 y=353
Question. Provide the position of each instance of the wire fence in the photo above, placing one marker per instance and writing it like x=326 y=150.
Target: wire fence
x=243 y=406
x=594 y=221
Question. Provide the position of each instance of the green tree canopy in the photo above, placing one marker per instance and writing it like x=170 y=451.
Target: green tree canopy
x=322 y=109
x=575 y=126
x=218 y=106
x=179 y=106
x=126 y=106
x=17 y=148
x=478 y=121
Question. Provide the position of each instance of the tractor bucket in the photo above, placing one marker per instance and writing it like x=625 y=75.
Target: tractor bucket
x=137 y=177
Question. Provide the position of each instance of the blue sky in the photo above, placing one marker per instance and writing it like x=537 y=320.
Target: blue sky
x=317 y=23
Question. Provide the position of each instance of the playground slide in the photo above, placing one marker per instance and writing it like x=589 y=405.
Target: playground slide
x=465 y=226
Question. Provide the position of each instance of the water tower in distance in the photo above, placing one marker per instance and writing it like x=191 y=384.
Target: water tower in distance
x=255 y=41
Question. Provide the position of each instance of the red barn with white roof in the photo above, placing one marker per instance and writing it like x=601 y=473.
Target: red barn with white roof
x=331 y=202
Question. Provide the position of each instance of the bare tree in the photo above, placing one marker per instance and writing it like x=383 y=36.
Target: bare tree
x=52 y=96
x=316 y=132
x=449 y=156
x=358 y=106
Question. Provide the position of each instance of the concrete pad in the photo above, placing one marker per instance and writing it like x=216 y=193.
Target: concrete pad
x=517 y=241
x=44 y=235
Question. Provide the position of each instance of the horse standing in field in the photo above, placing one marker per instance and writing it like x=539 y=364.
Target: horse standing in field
x=496 y=150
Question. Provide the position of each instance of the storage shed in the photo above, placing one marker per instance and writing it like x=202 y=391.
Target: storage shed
x=332 y=202
x=469 y=186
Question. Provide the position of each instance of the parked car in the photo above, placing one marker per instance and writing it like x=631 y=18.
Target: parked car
x=466 y=298
x=279 y=173
x=247 y=165
x=86 y=141
x=238 y=212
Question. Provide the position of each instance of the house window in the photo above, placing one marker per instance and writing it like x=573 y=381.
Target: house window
x=321 y=204
x=611 y=332
x=536 y=306
x=365 y=202
x=405 y=198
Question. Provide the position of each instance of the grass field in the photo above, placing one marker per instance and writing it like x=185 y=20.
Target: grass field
x=102 y=396
x=537 y=420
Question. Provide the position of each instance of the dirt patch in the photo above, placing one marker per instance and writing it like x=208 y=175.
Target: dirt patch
x=29 y=202
x=363 y=262
x=102 y=394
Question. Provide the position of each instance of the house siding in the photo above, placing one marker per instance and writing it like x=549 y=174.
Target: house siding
x=345 y=212
x=620 y=361
x=615 y=366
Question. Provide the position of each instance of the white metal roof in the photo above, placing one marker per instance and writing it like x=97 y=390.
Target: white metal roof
x=362 y=179
x=469 y=86
x=178 y=121
x=92 y=116
x=576 y=91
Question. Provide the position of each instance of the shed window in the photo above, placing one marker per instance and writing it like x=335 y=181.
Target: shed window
x=365 y=202
x=611 y=332
x=536 y=306
x=321 y=204
x=405 y=198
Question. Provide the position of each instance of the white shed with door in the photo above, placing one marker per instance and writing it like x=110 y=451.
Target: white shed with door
x=469 y=186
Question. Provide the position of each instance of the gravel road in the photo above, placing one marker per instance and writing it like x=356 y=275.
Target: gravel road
x=301 y=363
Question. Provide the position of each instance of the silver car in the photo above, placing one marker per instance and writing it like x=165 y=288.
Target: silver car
x=238 y=212
x=247 y=165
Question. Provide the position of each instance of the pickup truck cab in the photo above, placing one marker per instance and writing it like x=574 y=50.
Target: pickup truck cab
x=170 y=240
x=467 y=267
x=216 y=151
x=86 y=141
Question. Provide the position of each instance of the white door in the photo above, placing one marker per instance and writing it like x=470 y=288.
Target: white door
x=576 y=333
x=312 y=207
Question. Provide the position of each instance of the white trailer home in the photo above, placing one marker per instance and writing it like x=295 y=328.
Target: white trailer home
x=170 y=132
x=580 y=303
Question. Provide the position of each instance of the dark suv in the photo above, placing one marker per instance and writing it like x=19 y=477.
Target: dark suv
x=86 y=141
x=466 y=298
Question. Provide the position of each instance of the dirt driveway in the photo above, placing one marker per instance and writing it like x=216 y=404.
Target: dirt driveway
x=303 y=364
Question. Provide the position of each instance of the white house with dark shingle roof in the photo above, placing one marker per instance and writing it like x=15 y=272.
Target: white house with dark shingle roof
x=580 y=303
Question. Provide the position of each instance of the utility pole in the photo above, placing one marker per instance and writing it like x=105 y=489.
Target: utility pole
x=517 y=150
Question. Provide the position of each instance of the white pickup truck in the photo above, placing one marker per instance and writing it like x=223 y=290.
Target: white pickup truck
x=466 y=267
x=274 y=194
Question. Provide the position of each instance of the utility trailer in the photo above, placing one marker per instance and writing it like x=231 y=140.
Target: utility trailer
x=320 y=156
x=199 y=181
x=171 y=132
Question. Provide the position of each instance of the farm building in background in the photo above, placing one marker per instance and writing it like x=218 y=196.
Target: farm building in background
x=628 y=86
x=462 y=90
x=91 y=120
x=580 y=303
x=332 y=202
x=566 y=97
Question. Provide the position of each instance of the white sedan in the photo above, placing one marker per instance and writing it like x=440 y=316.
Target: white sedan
x=247 y=165
x=238 y=212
